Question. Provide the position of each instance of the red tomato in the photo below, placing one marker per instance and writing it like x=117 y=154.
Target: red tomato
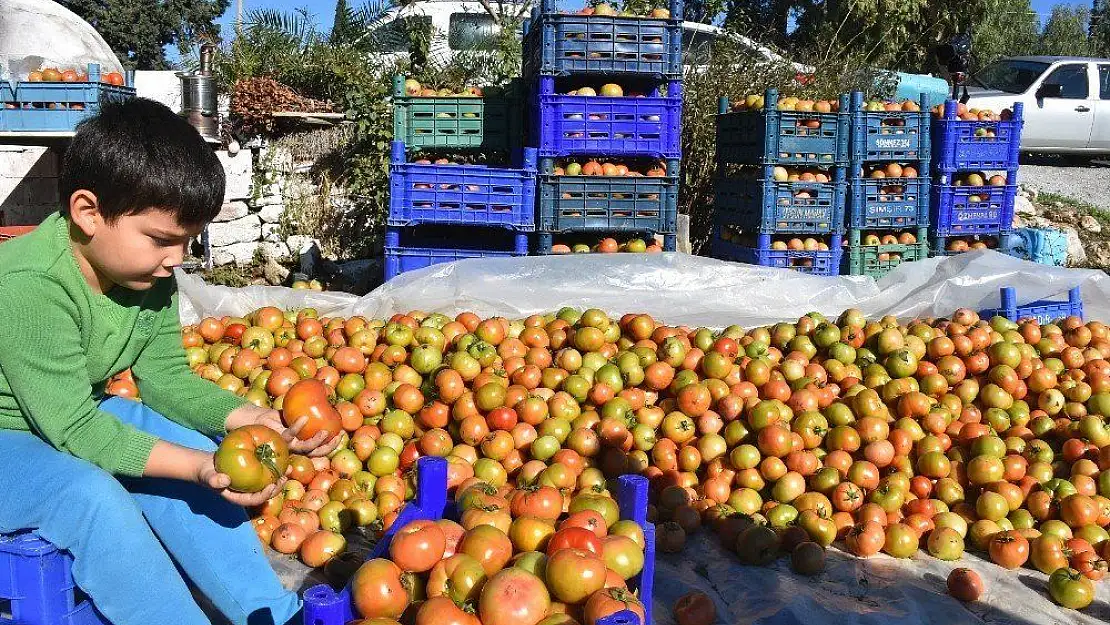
x=573 y=575
x=309 y=399
x=610 y=601
x=378 y=591
x=695 y=608
x=418 y=546
x=253 y=456
x=574 y=538
x=513 y=597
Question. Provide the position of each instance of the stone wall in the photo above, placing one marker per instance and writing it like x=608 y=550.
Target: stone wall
x=28 y=183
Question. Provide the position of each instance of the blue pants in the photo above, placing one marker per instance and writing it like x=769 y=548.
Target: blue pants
x=127 y=537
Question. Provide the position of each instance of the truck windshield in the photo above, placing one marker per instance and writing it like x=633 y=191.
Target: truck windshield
x=1010 y=75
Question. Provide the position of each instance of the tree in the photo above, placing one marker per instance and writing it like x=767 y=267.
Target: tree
x=890 y=34
x=342 y=24
x=1008 y=28
x=1066 y=32
x=138 y=30
x=1100 y=27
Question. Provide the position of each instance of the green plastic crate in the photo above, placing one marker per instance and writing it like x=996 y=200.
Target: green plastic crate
x=487 y=123
x=863 y=260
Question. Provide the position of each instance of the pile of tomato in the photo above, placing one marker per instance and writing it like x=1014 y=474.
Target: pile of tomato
x=535 y=569
x=934 y=434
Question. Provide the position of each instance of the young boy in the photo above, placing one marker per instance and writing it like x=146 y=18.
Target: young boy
x=129 y=488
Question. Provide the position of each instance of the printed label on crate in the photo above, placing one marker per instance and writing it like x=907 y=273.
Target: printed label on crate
x=804 y=212
x=893 y=144
x=963 y=215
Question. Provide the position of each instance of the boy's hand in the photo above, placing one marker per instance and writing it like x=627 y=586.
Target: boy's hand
x=249 y=414
x=210 y=477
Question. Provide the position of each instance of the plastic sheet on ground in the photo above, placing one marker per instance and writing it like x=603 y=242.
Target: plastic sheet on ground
x=875 y=591
x=675 y=288
x=680 y=289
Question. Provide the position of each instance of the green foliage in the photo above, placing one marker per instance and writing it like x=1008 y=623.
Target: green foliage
x=1100 y=27
x=1066 y=32
x=343 y=23
x=889 y=34
x=138 y=30
x=1008 y=28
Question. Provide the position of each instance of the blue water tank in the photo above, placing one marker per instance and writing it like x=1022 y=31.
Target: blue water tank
x=911 y=86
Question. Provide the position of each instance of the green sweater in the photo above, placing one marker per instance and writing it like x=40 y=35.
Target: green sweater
x=60 y=342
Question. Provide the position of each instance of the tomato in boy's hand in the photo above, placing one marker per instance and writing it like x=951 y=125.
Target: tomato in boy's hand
x=254 y=457
x=309 y=398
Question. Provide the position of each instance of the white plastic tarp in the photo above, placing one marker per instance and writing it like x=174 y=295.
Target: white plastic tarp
x=674 y=288
x=681 y=289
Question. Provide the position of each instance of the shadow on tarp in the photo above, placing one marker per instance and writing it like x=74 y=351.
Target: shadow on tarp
x=874 y=591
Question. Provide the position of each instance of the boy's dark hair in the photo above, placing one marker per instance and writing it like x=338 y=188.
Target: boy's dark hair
x=137 y=155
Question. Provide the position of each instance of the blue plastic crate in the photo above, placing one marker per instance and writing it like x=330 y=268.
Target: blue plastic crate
x=545 y=240
x=963 y=210
x=57 y=106
x=960 y=145
x=759 y=252
x=888 y=203
x=37 y=585
x=764 y=205
x=560 y=44
x=608 y=203
x=462 y=194
x=889 y=135
x=999 y=242
x=563 y=125
x=867 y=260
x=324 y=606
x=1046 y=246
x=1043 y=311
x=774 y=137
x=407 y=249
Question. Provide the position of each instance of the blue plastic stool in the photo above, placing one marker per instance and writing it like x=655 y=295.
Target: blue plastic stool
x=36 y=586
x=1043 y=311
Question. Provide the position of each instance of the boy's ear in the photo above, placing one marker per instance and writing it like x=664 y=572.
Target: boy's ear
x=84 y=211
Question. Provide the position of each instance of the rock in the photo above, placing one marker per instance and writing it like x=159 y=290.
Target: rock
x=1090 y=224
x=269 y=200
x=238 y=253
x=298 y=243
x=238 y=173
x=242 y=230
x=271 y=233
x=1030 y=192
x=274 y=272
x=272 y=213
x=1077 y=254
x=1057 y=205
x=1037 y=222
x=230 y=211
x=277 y=250
x=1024 y=206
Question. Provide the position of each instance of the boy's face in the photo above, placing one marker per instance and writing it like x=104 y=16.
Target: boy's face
x=135 y=251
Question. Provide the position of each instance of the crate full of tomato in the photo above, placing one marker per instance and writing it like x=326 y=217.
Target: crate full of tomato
x=56 y=100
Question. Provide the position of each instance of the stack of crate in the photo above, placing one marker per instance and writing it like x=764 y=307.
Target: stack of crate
x=975 y=178
x=781 y=183
x=605 y=109
x=888 y=196
x=441 y=211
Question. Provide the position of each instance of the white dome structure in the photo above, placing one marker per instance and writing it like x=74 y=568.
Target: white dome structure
x=40 y=33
